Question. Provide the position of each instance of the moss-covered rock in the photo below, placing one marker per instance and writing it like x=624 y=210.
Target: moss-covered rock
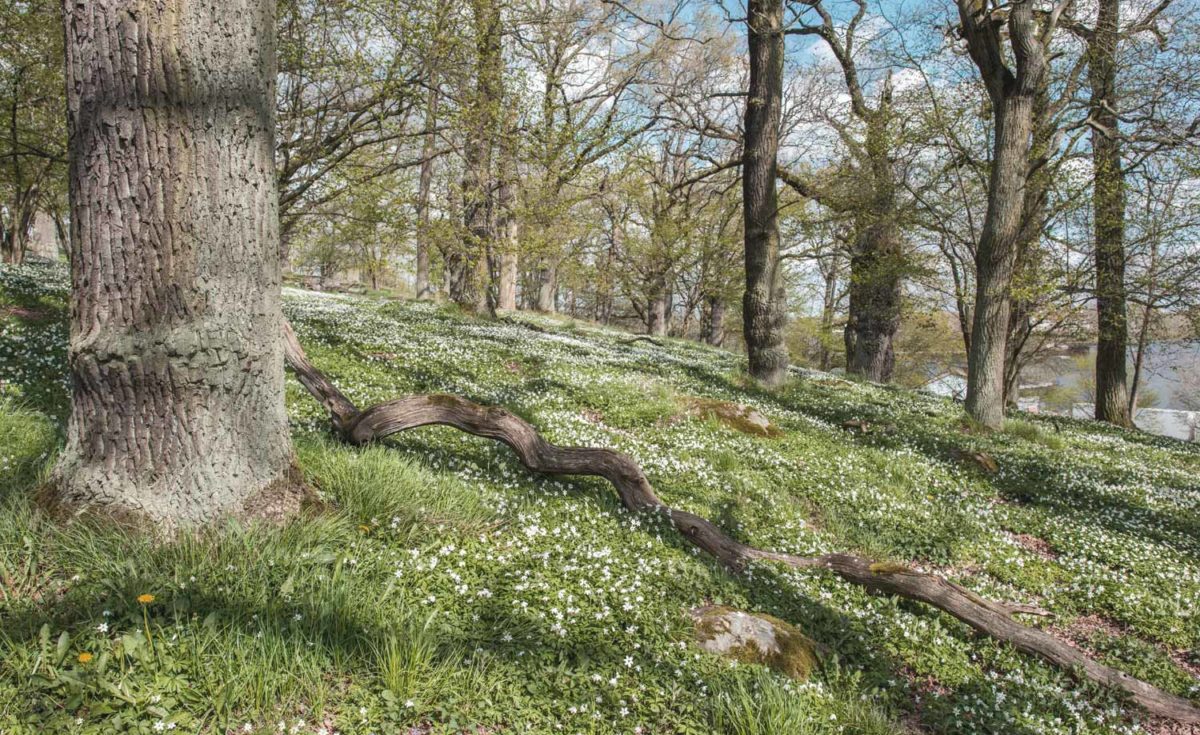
x=755 y=638
x=736 y=416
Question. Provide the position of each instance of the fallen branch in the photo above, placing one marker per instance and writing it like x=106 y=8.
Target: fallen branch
x=643 y=338
x=991 y=618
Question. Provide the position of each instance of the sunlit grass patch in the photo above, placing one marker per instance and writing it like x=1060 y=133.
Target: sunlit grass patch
x=444 y=587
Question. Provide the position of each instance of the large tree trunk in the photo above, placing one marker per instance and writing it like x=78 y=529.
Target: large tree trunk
x=876 y=267
x=995 y=264
x=712 y=326
x=656 y=316
x=547 y=296
x=763 y=304
x=472 y=282
x=422 y=286
x=177 y=407
x=1026 y=271
x=1012 y=95
x=1108 y=201
x=877 y=262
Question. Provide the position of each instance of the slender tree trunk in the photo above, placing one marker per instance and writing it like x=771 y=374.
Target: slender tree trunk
x=176 y=358
x=1143 y=333
x=763 y=303
x=14 y=238
x=1108 y=201
x=62 y=239
x=507 y=224
x=829 y=267
x=1012 y=96
x=1139 y=363
x=422 y=286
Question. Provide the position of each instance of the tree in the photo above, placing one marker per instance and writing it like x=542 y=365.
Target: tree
x=1163 y=259
x=1139 y=105
x=584 y=110
x=177 y=408
x=763 y=311
x=343 y=92
x=877 y=260
x=471 y=284
x=32 y=134
x=434 y=58
x=1108 y=204
x=1012 y=92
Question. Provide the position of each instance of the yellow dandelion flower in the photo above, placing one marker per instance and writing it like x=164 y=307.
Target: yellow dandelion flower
x=145 y=599
x=85 y=657
x=364 y=529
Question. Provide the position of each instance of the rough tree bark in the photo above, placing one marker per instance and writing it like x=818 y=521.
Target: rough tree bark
x=1012 y=95
x=177 y=406
x=763 y=303
x=877 y=260
x=1033 y=224
x=658 y=308
x=471 y=283
x=1108 y=203
x=991 y=618
x=712 y=326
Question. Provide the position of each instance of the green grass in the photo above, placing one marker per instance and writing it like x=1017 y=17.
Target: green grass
x=445 y=588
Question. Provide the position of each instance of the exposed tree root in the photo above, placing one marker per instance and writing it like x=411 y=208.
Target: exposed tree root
x=991 y=618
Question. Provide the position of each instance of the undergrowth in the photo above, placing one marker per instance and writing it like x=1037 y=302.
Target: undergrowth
x=445 y=589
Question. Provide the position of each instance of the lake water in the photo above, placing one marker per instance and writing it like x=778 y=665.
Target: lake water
x=1163 y=373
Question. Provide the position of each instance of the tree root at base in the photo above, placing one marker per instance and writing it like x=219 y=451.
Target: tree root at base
x=991 y=618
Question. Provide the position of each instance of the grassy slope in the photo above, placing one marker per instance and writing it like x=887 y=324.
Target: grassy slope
x=451 y=588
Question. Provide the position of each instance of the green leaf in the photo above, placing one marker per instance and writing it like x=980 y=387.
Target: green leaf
x=60 y=652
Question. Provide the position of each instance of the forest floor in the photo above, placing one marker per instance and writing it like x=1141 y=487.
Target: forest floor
x=446 y=589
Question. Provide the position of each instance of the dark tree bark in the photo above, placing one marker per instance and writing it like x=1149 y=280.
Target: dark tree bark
x=1012 y=95
x=1108 y=203
x=763 y=304
x=177 y=367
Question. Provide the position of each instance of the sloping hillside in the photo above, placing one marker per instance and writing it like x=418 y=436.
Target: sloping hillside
x=445 y=588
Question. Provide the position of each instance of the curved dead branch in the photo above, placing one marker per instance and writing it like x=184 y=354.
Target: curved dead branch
x=994 y=619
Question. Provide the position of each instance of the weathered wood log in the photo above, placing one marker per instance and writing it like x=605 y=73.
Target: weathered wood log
x=991 y=618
